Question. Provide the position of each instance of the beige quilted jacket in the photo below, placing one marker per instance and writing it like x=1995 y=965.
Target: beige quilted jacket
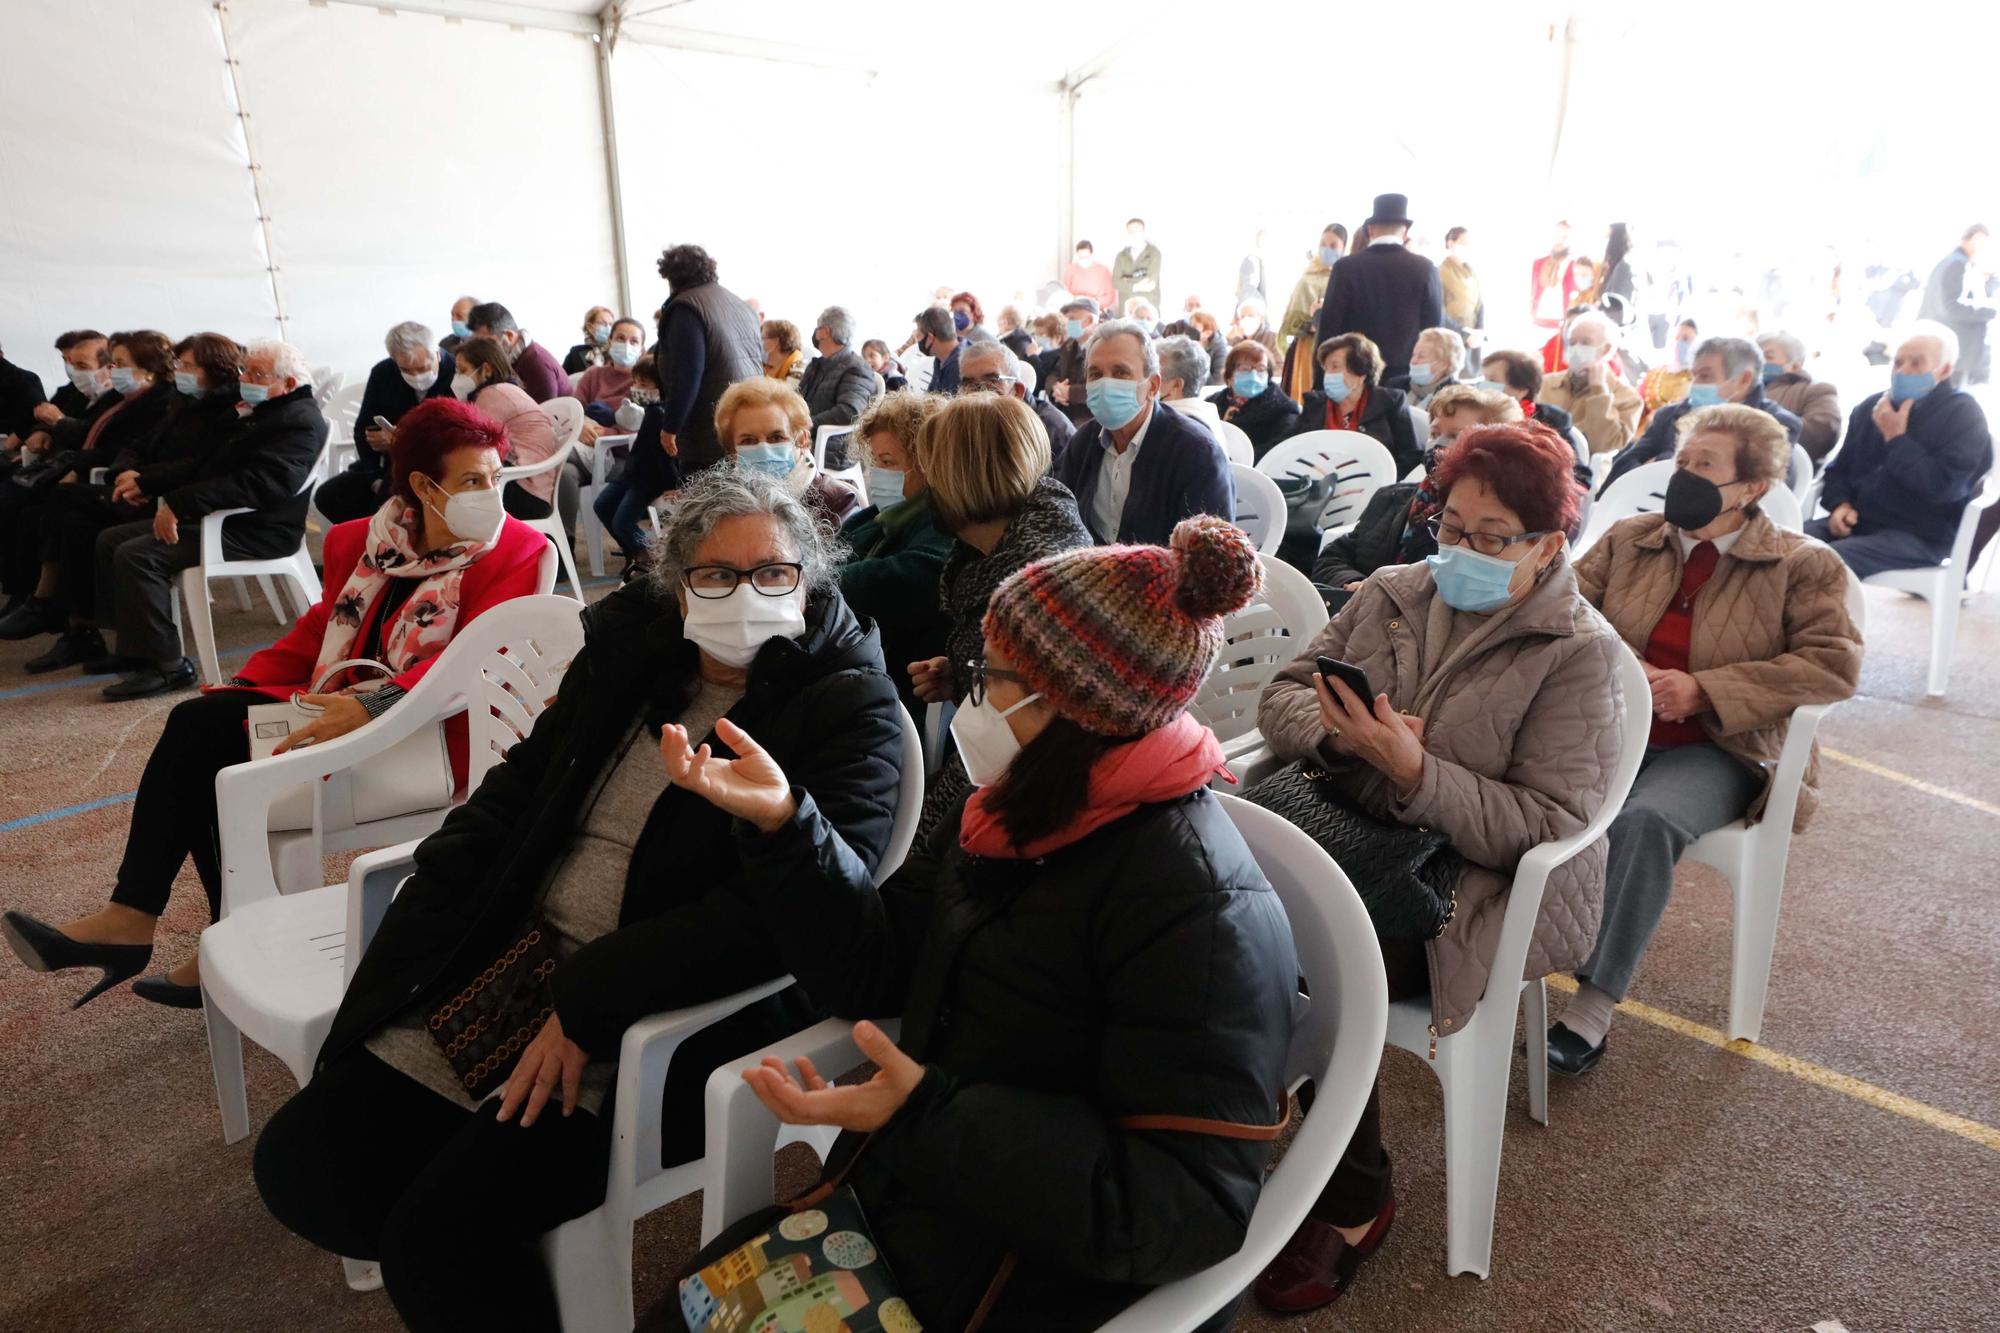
x=1771 y=630
x=1522 y=728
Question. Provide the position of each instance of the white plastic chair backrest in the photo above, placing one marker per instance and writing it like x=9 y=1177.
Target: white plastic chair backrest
x=1800 y=473
x=1415 y=474
x=1236 y=443
x=1984 y=494
x=546 y=570
x=1643 y=490
x=1337 y=1038
x=521 y=649
x=565 y=420
x=1260 y=507
x=825 y=433
x=1359 y=463
x=1029 y=379
x=1781 y=504
x=909 y=797
x=1258 y=642
x=1420 y=424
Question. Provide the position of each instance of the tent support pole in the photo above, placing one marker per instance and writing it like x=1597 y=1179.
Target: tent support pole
x=607 y=38
x=1065 y=174
x=256 y=169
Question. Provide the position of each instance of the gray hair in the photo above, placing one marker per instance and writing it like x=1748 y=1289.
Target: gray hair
x=839 y=325
x=287 y=361
x=1010 y=365
x=407 y=337
x=1182 y=358
x=1946 y=340
x=1789 y=346
x=1595 y=318
x=723 y=491
x=1454 y=345
x=1738 y=355
x=1112 y=328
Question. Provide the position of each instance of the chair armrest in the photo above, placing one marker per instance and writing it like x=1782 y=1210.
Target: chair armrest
x=1791 y=768
x=1524 y=898
x=372 y=882
x=742 y=1135
x=549 y=464
x=211 y=535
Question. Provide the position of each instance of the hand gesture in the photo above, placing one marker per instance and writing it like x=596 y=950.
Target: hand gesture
x=35 y=443
x=752 y=786
x=1677 y=696
x=667 y=443
x=931 y=679
x=1891 y=421
x=165 y=526
x=125 y=487
x=378 y=439
x=1376 y=734
x=551 y=1059
x=809 y=1099
x=1060 y=392
x=47 y=413
x=589 y=432
x=1842 y=520
x=343 y=713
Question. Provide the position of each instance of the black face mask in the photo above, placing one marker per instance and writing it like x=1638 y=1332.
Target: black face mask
x=1692 y=501
x=924 y=346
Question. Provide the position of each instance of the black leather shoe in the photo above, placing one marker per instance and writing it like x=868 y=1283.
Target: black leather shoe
x=151 y=680
x=160 y=990
x=45 y=949
x=72 y=647
x=1569 y=1056
x=32 y=617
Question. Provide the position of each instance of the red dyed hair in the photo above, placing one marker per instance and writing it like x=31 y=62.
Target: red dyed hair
x=1527 y=466
x=971 y=303
x=432 y=429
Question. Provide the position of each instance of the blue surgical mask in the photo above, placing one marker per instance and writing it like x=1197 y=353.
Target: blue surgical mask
x=885 y=487
x=1327 y=254
x=1908 y=388
x=123 y=380
x=1074 y=328
x=1684 y=352
x=1469 y=581
x=625 y=354
x=1580 y=356
x=1336 y=389
x=254 y=393
x=599 y=332
x=960 y=320
x=185 y=381
x=1704 y=395
x=773 y=460
x=1771 y=371
x=460 y=329
x=1249 y=383
x=1492 y=387
x=1113 y=402
x=1422 y=374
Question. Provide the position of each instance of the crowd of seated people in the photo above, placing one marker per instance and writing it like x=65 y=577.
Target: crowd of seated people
x=1040 y=537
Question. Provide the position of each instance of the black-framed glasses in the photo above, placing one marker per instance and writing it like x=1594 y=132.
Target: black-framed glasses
x=976 y=674
x=773 y=580
x=1486 y=543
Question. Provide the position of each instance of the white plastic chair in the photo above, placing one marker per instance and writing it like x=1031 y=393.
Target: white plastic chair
x=602 y=456
x=1643 y=490
x=1236 y=443
x=1420 y=425
x=566 y=421
x=1472 y=1065
x=1753 y=858
x=1358 y=463
x=296 y=569
x=1940 y=585
x=273 y=967
x=1258 y=642
x=1336 y=1043
x=1781 y=505
x=853 y=476
x=1799 y=474
x=1260 y=507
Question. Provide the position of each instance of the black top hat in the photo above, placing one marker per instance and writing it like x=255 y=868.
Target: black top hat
x=1391 y=210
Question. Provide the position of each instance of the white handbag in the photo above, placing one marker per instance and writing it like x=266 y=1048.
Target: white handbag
x=412 y=775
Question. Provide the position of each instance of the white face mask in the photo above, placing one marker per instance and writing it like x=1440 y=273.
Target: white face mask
x=90 y=382
x=462 y=385
x=422 y=380
x=473 y=516
x=986 y=744
x=733 y=629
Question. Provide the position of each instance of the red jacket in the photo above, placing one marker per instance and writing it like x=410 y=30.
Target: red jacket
x=506 y=571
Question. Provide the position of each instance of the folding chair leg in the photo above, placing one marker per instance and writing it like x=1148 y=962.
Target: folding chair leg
x=200 y=623
x=361 y=1274
x=1473 y=1068
x=243 y=602
x=1760 y=889
x=1535 y=1021
x=590 y=1260
x=225 y=1058
x=271 y=598
x=568 y=559
x=593 y=531
x=1944 y=631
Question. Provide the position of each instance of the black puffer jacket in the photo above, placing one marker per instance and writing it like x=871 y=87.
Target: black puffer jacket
x=1145 y=969
x=194 y=429
x=687 y=929
x=1374 y=541
x=261 y=467
x=1266 y=419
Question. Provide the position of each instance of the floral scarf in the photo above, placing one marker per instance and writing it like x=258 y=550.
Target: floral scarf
x=428 y=616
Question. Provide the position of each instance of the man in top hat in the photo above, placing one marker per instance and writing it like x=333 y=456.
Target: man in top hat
x=1382 y=290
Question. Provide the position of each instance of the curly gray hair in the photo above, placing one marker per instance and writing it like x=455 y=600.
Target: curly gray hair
x=722 y=492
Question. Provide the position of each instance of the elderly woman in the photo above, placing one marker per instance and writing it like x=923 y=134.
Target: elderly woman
x=783 y=358
x=1592 y=388
x=1434 y=363
x=1787 y=382
x=1353 y=397
x=766 y=427
x=1091 y=942
x=598 y=327
x=439 y=552
x=1251 y=324
x=632 y=893
x=1251 y=397
x=1495 y=721
x=408 y=375
x=1395 y=525
x=602 y=388
x=1738 y=622
x=486 y=380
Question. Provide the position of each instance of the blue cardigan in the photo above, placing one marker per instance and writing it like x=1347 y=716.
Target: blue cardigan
x=1180 y=471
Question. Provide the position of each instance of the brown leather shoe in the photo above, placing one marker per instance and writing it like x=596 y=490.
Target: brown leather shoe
x=1316 y=1265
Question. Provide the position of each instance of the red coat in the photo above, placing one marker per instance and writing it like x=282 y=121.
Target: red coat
x=508 y=570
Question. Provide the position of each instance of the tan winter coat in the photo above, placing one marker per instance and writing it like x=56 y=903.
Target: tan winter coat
x=1609 y=421
x=1771 y=630
x=1522 y=728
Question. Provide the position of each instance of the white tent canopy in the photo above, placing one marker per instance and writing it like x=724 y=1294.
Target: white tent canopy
x=324 y=168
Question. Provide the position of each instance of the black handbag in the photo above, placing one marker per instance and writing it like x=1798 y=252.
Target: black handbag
x=484 y=1028
x=1407 y=876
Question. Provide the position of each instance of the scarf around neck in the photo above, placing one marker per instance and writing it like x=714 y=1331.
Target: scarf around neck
x=428 y=616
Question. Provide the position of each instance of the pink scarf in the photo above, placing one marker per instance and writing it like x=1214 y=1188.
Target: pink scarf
x=425 y=621
x=1163 y=764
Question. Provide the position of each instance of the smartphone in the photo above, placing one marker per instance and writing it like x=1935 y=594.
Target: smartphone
x=1350 y=675
x=382 y=423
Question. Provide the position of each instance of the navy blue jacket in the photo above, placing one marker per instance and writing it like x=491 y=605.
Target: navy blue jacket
x=944 y=374
x=389 y=395
x=1387 y=292
x=20 y=395
x=1919 y=482
x=1663 y=435
x=1180 y=471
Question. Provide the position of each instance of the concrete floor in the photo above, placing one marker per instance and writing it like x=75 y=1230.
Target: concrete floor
x=1677 y=1187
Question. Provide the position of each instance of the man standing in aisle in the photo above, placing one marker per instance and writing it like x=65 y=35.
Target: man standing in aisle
x=1136 y=271
x=1384 y=290
x=1959 y=296
x=1464 y=302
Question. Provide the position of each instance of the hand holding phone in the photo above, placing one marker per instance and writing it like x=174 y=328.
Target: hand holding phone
x=1349 y=675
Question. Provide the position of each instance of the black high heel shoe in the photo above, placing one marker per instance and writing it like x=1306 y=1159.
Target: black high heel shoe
x=46 y=949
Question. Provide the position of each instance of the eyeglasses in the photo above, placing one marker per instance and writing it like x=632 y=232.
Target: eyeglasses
x=713 y=581
x=986 y=384
x=976 y=674
x=1486 y=543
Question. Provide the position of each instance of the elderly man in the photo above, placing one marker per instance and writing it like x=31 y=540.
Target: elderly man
x=461 y=326
x=263 y=469
x=1434 y=364
x=937 y=338
x=1814 y=402
x=1068 y=370
x=540 y=373
x=1183 y=376
x=1726 y=370
x=991 y=367
x=410 y=373
x=1139 y=467
x=1913 y=460
x=1384 y=290
x=1959 y=295
x=838 y=385
x=1603 y=406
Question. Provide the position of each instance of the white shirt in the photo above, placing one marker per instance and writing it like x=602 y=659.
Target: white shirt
x=1114 y=479
x=1722 y=543
x=1386 y=240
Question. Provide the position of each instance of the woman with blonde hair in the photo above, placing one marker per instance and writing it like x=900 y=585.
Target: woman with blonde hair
x=764 y=426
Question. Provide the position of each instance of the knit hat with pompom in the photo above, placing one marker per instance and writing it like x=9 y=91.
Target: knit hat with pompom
x=1119 y=638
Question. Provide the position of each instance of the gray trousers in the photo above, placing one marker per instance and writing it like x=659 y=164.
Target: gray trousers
x=1681 y=793
x=1872 y=553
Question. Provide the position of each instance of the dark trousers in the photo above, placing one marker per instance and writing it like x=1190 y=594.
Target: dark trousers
x=69 y=542
x=523 y=503
x=350 y=495
x=621 y=508
x=136 y=579
x=368 y=1163
x=20 y=537
x=173 y=816
x=1360 y=1187
x=1871 y=553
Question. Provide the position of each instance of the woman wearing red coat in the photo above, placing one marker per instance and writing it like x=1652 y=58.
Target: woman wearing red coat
x=437 y=553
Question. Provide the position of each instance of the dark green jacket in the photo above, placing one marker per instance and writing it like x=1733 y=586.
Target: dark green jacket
x=892 y=579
